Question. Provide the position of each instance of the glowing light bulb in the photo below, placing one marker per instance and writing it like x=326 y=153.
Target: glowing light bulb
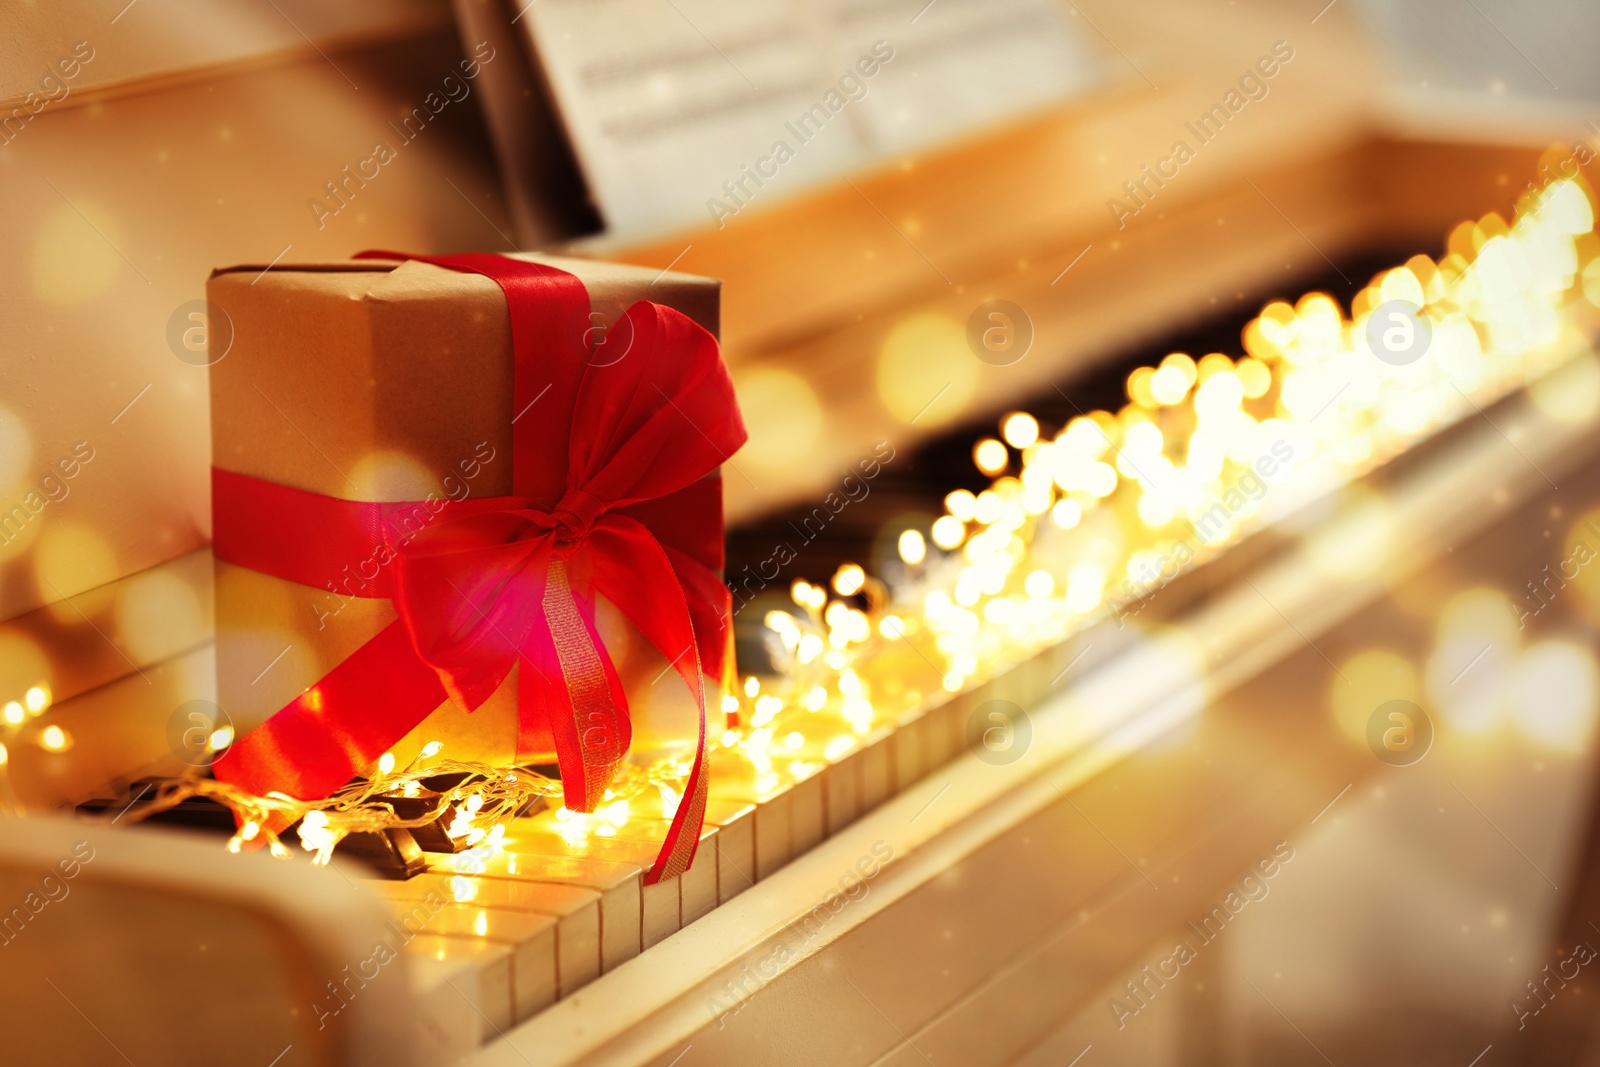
x=913 y=549
x=1066 y=513
x=990 y=456
x=54 y=739
x=220 y=738
x=1254 y=378
x=37 y=699
x=1039 y=585
x=386 y=763
x=849 y=579
x=1019 y=429
x=962 y=504
x=15 y=712
x=948 y=532
x=1168 y=386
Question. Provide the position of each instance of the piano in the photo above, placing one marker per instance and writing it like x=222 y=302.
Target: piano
x=998 y=859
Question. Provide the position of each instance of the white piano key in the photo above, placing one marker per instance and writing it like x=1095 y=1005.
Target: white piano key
x=531 y=939
x=576 y=910
x=473 y=976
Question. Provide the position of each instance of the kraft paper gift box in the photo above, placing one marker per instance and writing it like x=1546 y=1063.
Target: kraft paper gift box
x=377 y=380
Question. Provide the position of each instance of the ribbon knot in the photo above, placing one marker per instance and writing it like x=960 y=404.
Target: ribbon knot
x=575 y=514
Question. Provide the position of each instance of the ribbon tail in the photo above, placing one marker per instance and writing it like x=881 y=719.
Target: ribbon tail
x=339 y=727
x=683 y=836
x=588 y=714
x=636 y=573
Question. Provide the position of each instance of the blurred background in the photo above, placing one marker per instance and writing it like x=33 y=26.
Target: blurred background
x=868 y=179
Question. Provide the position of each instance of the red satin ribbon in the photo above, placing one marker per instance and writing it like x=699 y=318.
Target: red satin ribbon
x=615 y=495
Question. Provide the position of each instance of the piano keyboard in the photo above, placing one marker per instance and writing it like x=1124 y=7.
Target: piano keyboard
x=561 y=898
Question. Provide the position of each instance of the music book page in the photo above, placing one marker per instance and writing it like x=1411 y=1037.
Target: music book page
x=682 y=111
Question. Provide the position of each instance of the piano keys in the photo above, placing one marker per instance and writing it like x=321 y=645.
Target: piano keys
x=575 y=911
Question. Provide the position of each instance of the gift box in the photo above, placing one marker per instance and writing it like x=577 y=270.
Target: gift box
x=450 y=479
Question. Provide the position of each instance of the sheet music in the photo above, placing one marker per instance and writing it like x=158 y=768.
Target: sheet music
x=685 y=111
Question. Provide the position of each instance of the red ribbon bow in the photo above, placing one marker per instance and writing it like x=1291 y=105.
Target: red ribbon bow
x=484 y=585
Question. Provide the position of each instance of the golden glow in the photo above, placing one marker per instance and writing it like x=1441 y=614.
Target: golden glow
x=1553 y=693
x=948 y=532
x=1019 y=430
x=36 y=699
x=1169 y=385
x=54 y=739
x=1066 y=513
x=73 y=559
x=962 y=504
x=849 y=579
x=783 y=414
x=388 y=474
x=1039 y=585
x=1366 y=681
x=1571 y=392
x=1139 y=387
x=1254 y=376
x=923 y=349
x=75 y=257
x=15 y=713
x=911 y=546
x=990 y=456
